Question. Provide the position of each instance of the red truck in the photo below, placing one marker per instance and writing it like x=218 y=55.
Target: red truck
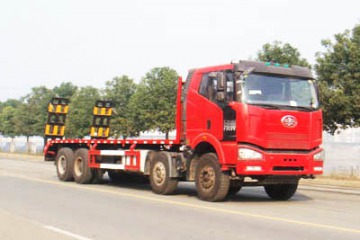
x=240 y=124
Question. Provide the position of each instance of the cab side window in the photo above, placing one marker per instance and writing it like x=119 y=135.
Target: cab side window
x=208 y=87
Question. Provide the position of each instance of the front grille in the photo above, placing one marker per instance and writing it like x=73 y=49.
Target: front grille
x=287 y=136
x=290 y=160
x=281 y=168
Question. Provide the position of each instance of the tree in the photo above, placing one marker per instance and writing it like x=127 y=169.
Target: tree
x=10 y=102
x=65 y=90
x=152 y=107
x=8 y=112
x=281 y=53
x=120 y=90
x=338 y=71
x=32 y=112
x=80 y=114
x=7 y=121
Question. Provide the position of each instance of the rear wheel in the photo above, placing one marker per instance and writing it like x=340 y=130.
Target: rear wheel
x=281 y=191
x=160 y=180
x=64 y=162
x=115 y=176
x=98 y=175
x=211 y=183
x=82 y=173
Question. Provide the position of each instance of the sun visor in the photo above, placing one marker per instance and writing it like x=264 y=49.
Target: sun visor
x=274 y=68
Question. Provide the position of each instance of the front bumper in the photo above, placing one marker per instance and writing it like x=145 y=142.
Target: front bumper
x=281 y=163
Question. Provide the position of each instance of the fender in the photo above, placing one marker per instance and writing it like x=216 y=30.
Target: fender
x=173 y=173
x=172 y=167
x=47 y=146
x=49 y=155
x=208 y=138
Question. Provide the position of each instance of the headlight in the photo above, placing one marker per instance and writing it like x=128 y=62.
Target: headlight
x=248 y=154
x=320 y=156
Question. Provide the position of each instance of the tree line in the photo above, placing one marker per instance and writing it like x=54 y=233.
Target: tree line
x=150 y=104
x=137 y=107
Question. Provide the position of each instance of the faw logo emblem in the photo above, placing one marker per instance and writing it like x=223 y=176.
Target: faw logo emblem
x=289 y=121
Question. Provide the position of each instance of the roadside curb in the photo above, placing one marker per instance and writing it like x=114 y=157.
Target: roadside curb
x=346 y=186
x=334 y=189
x=22 y=156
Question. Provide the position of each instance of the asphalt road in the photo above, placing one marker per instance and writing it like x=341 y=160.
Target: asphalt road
x=35 y=205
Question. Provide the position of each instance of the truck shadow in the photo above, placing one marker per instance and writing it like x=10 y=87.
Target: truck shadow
x=186 y=189
x=247 y=194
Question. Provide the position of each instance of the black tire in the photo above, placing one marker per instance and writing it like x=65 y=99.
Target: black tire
x=82 y=173
x=116 y=176
x=211 y=183
x=64 y=162
x=127 y=177
x=98 y=175
x=235 y=187
x=281 y=191
x=160 y=180
x=140 y=179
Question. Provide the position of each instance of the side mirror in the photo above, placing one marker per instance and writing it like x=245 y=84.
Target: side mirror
x=221 y=81
x=221 y=85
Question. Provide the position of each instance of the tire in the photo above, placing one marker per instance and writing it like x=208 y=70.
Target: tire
x=281 y=192
x=82 y=173
x=98 y=175
x=235 y=187
x=127 y=177
x=116 y=176
x=211 y=183
x=64 y=162
x=160 y=180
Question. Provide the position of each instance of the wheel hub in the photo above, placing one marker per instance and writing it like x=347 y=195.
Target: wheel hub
x=159 y=173
x=62 y=165
x=207 y=178
x=78 y=167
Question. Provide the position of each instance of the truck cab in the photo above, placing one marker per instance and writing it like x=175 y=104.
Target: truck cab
x=261 y=121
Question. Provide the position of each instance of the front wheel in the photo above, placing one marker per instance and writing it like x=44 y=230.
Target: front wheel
x=281 y=191
x=211 y=183
x=160 y=180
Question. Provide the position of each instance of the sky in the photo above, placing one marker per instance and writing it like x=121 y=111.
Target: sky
x=87 y=42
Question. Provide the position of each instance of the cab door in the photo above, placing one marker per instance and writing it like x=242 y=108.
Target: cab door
x=205 y=112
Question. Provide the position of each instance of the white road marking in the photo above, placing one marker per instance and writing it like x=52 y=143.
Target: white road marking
x=70 y=234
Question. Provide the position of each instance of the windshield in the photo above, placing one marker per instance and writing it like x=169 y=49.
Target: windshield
x=279 y=91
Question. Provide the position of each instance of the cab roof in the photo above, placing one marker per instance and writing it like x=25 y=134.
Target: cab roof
x=271 y=68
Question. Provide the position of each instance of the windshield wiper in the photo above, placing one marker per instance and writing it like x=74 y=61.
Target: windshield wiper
x=268 y=106
x=308 y=109
x=271 y=106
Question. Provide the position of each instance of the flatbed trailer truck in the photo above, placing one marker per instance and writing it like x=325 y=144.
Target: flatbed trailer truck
x=240 y=124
